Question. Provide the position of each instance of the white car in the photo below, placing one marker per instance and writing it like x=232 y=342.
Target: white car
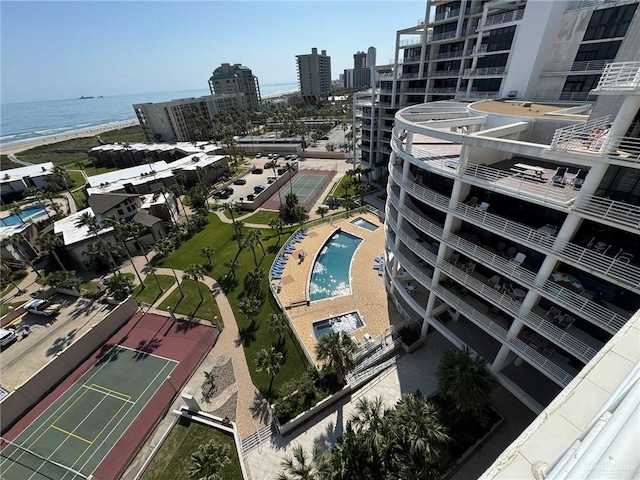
x=258 y=155
x=7 y=336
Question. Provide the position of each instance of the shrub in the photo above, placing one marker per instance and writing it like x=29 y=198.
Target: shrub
x=408 y=335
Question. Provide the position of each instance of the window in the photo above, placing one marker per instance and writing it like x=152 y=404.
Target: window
x=598 y=51
x=493 y=60
x=610 y=22
x=581 y=83
x=500 y=39
x=120 y=211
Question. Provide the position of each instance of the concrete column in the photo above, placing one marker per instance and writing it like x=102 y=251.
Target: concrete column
x=567 y=231
x=425 y=324
x=501 y=359
x=621 y=124
x=592 y=180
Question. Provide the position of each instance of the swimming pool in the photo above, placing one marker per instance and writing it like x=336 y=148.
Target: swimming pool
x=330 y=273
x=364 y=223
x=342 y=323
x=33 y=211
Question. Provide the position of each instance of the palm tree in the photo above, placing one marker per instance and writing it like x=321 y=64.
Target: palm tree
x=250 y=242
x=16 y=211
x=253 y=279
x=209 y=383
x=122 y=232
x=63 y=279
x=196 y=273
x=6 y=271
x=48 y=242
x=178 y=189
x=278 y=225
x=361 y=189
x=39 y=196
x=166 y=194
x=465 y=380
x=119 y=286
x=289 y=169
x=16 y=241
x=418 y=438
x=269 y=361
x=337 y=349
x=278 y=324
x=164 y=248
x=104 y=254
x=237 y=226
x=300 y=466
x=208 y=462
x=207 y=252
x=322 y=211
x=256 y=235
x=232 y=265
x=249 y=306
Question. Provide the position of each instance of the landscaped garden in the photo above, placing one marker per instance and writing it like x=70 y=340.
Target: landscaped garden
x=192 y=304
x=234 y=267
x=173 y=459
x=149 y=292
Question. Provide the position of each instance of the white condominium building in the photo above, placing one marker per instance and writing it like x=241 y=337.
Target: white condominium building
x=185 y=119
x=236 y=78
x=551 y=51
x=314 y=75
x=519 y=223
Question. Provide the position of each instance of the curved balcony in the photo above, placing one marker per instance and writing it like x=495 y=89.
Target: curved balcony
x=590 y=311
x=588 y=260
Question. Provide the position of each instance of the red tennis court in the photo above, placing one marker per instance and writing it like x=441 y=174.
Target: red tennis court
x=308 y=185
x=176 y=347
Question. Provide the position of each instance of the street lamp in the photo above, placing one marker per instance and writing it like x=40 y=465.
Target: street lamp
x=170 y=310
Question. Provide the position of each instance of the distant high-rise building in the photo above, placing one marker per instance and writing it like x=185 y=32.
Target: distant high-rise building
x=361 y=73
x=185 y=119
x=314 y=75
x=229 y=79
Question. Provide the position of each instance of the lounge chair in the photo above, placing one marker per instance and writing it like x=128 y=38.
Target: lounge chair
x=559 y=176
x=578 y=180
x=519 y=258
x=483 y=207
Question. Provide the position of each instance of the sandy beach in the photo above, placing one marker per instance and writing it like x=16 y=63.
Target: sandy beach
x=17 y=147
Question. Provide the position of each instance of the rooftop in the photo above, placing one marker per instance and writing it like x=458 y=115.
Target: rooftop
x=72 y=233
x=530 y=109
x=28 y=171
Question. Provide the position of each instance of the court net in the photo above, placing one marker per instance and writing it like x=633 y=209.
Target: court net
x=13 y=453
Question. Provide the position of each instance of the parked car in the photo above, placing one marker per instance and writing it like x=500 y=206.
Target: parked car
x=7 y=336
x=294 y=156
x=257 y=170
x=259 y=188
x=258 y=155
x=42 y=307
x=240 y=181
x=271 y=179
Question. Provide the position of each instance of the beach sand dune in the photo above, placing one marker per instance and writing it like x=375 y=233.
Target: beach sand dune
x=14 y=148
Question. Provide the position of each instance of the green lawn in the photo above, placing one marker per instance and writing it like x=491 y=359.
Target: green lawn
x=4 y=309
x=174 y=456
x=70 y=152
x=7 y=290
x=340 y=191
x=76 y=176
x=219 y=236
x=150 y=292
x=191 y=304
x=261 y=217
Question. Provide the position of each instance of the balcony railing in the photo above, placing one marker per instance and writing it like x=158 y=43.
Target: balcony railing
x=412 y=59
x=618 y=213
x=581 y=66
x=460 y=95
x=443 y=36
x=556 y=373
x=410 y=41
x=409 y=75
x=576 y=136
x=485 y=71
x=444 y=55
x=445 y=73
x=507 y=17
x=620 y=77
x=448 y=90
x=597 y=314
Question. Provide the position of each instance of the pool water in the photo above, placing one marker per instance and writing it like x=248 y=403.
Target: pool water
x=364 y=223
x=32 y=211
x=330 y=275
x=343 y=323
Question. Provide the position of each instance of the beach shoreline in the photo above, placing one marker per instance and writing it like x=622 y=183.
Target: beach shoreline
x=17 y=147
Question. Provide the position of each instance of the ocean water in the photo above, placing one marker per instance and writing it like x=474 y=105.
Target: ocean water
x=33 y=120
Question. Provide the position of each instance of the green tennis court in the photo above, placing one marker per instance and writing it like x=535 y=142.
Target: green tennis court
x=306 y=185
x=75 y=433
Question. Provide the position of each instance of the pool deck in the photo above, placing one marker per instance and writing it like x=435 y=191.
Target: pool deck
x=368 y=294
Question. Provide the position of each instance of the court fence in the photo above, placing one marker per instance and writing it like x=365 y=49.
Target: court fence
x=27 y=395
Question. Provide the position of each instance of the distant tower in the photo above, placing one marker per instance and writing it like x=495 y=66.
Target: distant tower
x=227 y=79
x=359 y=60
x=314 y=75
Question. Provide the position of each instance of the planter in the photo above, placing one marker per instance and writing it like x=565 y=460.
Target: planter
x=413 y=347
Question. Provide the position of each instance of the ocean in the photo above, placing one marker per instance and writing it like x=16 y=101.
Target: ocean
x=33 y=120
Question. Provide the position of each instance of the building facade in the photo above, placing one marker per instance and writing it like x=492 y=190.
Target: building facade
x=230 y=79
x=471 y=50
x=314 y=75
x=519 y=224
x=361 y=75
x=185 y=119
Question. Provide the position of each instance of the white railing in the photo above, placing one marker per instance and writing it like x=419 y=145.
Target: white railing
x=476 y=95
x=485 y=71
x=589 y=310
x=555 y=372
x=410 y=41
x=580 y=4
x=580 y=66
x=442 y=90
x=443 y=36
x=619 y=213
x=577 y=136
x=622 y=148
x=412 y=59
x=511 y=16
x=409 y=75
x=620 y=76
x=443 y=55
x=445 y=73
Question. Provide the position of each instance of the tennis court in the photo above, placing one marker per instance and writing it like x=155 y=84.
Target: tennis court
x=76 y=432
x=307 y=185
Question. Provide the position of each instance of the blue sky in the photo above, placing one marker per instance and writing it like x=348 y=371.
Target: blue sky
x=57 y=50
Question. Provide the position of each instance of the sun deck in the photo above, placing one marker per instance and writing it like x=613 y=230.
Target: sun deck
x=368 y=295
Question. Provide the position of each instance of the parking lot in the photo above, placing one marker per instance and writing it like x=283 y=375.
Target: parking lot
x=47 y=337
